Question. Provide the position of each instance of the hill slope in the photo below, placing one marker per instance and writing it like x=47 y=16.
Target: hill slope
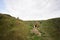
x=12 y=28
x=50 y=29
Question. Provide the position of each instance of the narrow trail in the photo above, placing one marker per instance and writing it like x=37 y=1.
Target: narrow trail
x=36 y=31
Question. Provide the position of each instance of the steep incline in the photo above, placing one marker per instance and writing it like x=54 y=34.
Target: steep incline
x=12 y=28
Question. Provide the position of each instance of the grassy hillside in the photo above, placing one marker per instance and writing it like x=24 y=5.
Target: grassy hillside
x=12 y=28
x=50 y=29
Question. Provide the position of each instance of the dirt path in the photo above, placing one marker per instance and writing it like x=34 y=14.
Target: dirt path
x=35 y=31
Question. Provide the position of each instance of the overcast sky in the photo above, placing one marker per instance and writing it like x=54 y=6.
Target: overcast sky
x=31 y=9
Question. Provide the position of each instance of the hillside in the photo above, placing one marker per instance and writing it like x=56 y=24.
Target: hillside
x=12 y=28
x=50 y=29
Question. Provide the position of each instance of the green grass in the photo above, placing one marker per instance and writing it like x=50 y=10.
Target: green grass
x=12 y=28
x=50 y=29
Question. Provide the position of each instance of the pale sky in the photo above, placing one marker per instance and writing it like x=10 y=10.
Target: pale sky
x=32 y=9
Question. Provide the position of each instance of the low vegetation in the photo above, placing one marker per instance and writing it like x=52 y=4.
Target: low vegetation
x=12 y=28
